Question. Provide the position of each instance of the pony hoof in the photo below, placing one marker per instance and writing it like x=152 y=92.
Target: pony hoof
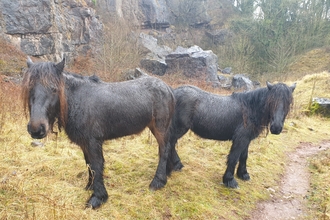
x=244 y=177
x=95 y=202
x=156 y=184
x=178 y=166
x=231 y=184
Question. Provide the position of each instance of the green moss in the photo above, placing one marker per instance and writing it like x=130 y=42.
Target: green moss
x=317 y=109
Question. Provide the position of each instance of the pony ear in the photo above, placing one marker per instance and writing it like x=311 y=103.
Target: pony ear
x=29 y=62
x=60 y=66
x=293 y=86
x=269 y=85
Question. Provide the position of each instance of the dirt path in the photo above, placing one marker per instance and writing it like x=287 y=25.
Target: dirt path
x=288 y=200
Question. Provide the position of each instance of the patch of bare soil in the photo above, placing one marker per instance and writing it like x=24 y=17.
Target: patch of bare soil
x=288 y=201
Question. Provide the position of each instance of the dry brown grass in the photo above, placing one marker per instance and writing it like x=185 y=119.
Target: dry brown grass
x=314 y=61
x=11 y=59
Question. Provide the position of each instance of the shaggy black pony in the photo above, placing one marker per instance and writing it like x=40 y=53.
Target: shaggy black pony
x=92 y=111
x=240 y=117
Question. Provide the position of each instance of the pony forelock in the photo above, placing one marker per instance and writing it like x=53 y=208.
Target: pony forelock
x=45 y=74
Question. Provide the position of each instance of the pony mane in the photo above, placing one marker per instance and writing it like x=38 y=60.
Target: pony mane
x=259 y=104
x=46 y=74
x=75 y=79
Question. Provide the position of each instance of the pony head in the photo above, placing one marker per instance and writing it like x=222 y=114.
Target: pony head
x=279 y=101
x=44 y=96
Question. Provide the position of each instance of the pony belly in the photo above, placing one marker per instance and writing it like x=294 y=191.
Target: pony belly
x=213 y=134
x=123 y=132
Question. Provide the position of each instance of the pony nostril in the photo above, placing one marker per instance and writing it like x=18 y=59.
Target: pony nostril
x=37 y=131
x=275 y=129
x=42 y=129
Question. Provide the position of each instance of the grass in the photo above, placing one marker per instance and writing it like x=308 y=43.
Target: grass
x=319 y=198
x=47 y=182
x=11 y=59
x=314 y=61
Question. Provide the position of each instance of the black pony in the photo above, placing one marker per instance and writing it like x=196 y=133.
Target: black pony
x=92 y=111
x=240 y=117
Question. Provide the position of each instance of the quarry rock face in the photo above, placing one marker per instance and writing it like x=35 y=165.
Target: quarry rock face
x=48 y=28
x=159 y=14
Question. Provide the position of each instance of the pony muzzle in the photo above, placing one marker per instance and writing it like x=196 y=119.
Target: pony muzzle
x=275 y=128
x=38 y=130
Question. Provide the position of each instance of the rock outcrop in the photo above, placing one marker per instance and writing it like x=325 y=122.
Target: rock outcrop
x=321 y=106
x=50 y=28
x=193 y=62
x=240 y=81
x=154 y=62
x=159 y=14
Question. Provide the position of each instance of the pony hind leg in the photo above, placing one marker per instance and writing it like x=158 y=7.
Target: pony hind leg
x=161 y=135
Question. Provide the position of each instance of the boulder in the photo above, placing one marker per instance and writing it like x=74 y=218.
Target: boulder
x=321 y=106
x=155 y=59
x=324 y=102
x=240 y=81
x=150 y=43
x=154 y=65
x=226 y=70
x=224 y=82
x=193 y=62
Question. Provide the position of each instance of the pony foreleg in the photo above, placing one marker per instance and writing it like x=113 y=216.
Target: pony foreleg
x=232 y=159
x=100 y=194
x=241 y=169
x=228 y=178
